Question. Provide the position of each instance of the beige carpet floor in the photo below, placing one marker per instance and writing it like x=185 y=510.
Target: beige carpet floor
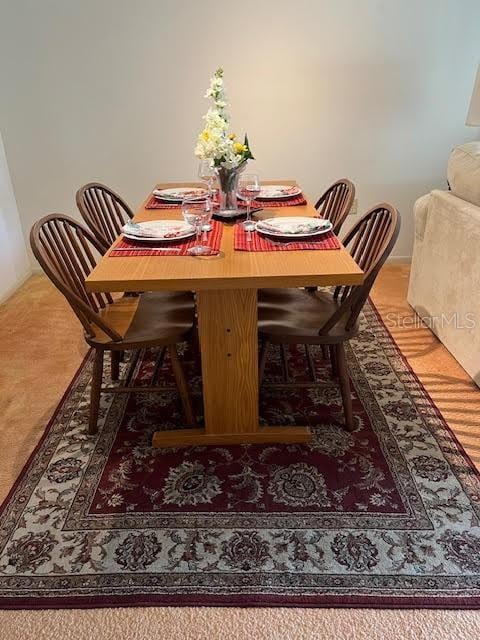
x=42 y=347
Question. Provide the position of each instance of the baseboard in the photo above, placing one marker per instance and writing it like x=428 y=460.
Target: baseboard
x=399 y=259
x=9 y=293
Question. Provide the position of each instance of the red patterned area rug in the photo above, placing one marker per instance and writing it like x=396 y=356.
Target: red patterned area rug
x=386 y=516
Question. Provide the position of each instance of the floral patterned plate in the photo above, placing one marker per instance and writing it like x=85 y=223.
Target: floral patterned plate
x=179 y=193
x=293 y=227
x=278 y=192
x=157 y=230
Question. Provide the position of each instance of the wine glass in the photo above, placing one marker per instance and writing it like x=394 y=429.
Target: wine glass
x=197 y=213
x=206 y=173
x=206 y=226
x=249 y=189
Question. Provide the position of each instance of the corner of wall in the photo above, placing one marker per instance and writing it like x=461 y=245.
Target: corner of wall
x=15 y=265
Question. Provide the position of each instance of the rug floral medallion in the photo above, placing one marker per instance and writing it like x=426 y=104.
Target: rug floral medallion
x=385 y=516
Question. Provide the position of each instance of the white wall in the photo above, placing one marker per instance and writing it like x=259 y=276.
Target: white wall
x=376 y=90
x=14 y=262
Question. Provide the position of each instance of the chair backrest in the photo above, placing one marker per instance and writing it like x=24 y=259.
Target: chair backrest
x=336 y=202
x=103 y=211
x=66 y=252
x=369 y=242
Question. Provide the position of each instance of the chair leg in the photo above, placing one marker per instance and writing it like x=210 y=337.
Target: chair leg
x=262 y=360
x=182 y=385
x=311 y=364
x=96 y=385
x=115 y=358
x=158 y=365
x=333 y=360
x=286 y=372
x=344 y=385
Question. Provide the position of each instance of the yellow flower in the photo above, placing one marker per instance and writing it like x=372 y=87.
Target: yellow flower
x=205 y=135
x=232 y=136
x=238 y=147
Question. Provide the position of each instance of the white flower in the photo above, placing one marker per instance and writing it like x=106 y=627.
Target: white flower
x=213 y=142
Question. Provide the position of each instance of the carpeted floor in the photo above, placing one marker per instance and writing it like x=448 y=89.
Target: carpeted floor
x=31 y=350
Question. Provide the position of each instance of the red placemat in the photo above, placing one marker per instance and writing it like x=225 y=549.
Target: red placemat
x=262 y=243
x=296 y=201
x=155 y=203
x=129 y=248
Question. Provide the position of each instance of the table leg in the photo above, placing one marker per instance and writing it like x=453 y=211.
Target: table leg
x=227 y=323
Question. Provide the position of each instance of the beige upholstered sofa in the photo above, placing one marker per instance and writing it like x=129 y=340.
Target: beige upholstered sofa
x=444 y=284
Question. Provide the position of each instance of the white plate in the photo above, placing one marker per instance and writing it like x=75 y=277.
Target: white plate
x=278 y=192
x=278 y=227
x=157 y=230
x=179 y=193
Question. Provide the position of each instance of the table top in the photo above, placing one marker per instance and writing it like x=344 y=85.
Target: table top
x=230 y=269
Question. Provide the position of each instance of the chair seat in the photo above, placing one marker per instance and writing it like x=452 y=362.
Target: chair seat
x=295 y=316
x=150 y=319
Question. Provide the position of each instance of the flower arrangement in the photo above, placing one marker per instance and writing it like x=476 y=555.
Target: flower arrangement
x=215 y=143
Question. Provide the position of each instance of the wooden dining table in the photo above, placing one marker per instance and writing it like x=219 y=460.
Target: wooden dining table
x=226 y=293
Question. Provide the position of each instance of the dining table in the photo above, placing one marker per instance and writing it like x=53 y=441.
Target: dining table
x=226 y=286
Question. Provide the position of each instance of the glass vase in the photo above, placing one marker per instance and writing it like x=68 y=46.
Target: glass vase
x=228 y=185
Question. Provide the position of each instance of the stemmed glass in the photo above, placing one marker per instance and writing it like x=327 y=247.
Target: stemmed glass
x=197 y=213
x=206 y=226
x=249 y=189
x=206 y=173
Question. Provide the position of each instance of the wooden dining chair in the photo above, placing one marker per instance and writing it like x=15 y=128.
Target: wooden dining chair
x=334 y=205
x=297 y=316
x=66 y=252
x=336 y=202
x=103 y=211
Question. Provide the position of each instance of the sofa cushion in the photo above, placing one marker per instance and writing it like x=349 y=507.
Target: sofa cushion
x=464 y=172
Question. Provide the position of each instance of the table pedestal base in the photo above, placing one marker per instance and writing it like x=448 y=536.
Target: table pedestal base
x=227 y=327
x=200 y=437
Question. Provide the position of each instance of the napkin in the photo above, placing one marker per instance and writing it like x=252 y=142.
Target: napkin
x=271 y=191
x=160 y=231
x=194 y=192
x=293 y=228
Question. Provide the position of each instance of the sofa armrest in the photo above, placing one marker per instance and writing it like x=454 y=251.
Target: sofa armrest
x=445 y=274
